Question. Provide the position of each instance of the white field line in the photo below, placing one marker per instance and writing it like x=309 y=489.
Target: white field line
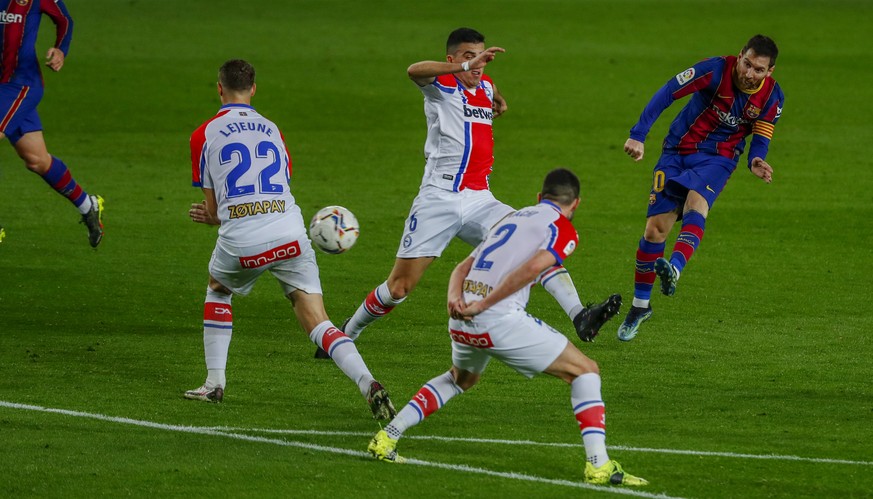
x=333 y=450
x=531 y=443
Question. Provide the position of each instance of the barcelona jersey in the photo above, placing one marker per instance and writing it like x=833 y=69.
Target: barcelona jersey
x=19 y=24
x=719 y=116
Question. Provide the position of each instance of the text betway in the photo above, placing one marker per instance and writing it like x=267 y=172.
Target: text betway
x=478 y=114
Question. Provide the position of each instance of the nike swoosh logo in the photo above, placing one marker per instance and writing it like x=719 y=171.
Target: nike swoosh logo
x=710 y=189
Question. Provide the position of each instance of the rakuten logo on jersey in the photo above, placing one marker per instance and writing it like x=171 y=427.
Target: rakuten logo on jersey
x=728 y=118
x=478 y=114
x=7 y=18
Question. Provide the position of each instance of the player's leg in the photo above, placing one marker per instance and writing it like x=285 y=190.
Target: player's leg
x=429 y=399
x=32 y=149
x=309 y=309
x=649 y=250
x=583 y=375
x=693 y=223
x=405 y=275
x=217 y=332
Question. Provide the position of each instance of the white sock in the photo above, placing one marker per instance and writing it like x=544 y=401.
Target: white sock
x=640 y=303
x=86 y=205
x=377 y=304
x=559 y=284
x=217 y=331
x=344 y=353
x=433 y=395
x=590 y=414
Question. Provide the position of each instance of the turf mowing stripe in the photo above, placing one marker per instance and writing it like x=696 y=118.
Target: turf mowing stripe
x=777 y=457
x=334 y=450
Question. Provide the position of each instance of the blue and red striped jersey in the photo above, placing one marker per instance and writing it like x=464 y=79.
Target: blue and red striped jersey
x=719 y=116
x=19 y=24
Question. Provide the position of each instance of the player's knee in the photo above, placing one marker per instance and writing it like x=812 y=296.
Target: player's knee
x=36 y=163
x=655 y=233
x=400 y=288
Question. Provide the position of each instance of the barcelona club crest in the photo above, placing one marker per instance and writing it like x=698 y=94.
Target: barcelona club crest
x=753 y=111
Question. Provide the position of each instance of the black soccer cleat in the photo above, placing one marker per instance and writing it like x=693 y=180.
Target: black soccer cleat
x=94 y=221
x=589 y=321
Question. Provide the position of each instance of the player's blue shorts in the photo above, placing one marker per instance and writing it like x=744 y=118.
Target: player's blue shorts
x=676 y=174
x=18 y=110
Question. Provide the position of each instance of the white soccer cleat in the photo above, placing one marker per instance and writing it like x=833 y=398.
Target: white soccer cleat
x=214 y=394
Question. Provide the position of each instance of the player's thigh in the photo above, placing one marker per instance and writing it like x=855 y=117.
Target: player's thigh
x=433 y=221
x=707 y=175
x=526 y=344
x=661 y=198
x=480 y=211
x=309 y=308
x=18 y=114
x=225 y=268
x=571 y=364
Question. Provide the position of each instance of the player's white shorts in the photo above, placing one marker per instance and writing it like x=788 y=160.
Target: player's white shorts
x=518 y=339
x=438 y=215
x=291 y=261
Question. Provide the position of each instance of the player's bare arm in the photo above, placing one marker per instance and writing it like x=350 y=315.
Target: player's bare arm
x=207 y=211
x=424 y=72
x=498 y=103
x=762 y=170
x=524 y=275
x=635 y=149
x=54 y=59
x=455 y=300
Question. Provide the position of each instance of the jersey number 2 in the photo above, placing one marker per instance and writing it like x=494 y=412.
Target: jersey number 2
x=504 y=232
x=264 y=150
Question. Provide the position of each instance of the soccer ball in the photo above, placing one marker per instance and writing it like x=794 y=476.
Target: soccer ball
x=334 y=229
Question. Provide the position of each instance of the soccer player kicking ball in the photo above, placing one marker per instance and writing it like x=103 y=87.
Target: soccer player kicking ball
x=454 y=200
x=21 y=89
x=732 y=97
x=240 y=160
x=487 y=296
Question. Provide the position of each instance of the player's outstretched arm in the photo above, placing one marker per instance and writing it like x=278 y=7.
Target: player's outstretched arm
x=424 y=72
x=635 y=149
x=54 y=59
x=522 y=276
x=762 y=169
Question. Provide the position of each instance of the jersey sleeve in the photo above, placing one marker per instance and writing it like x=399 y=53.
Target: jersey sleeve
x=59 y=15
x=198 y=155
x=561 y=239
x=764 y=126
x=687 y=82
x=441 y=87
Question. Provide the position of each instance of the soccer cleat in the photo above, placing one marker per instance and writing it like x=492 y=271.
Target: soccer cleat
x=215 y=394
x=94 y=221
x=668 y=274
x=631 y=325
x=384 y=448
x=379 y=402
x=610 y=473
x=589 y=321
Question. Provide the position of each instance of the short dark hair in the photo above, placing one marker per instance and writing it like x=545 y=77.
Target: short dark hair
x=463 y=35
x=236 y=75
x=561 y=186
x=763 y=45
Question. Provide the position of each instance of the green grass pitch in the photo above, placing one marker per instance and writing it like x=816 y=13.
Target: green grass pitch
x=764 y=354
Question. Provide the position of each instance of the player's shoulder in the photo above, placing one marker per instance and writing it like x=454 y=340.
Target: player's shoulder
x=201 y=130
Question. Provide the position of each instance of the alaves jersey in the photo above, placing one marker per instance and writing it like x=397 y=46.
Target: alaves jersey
x=459 y=149
x=511 y=243
x=242 y=156
x=719 y=116
x=19 y=25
